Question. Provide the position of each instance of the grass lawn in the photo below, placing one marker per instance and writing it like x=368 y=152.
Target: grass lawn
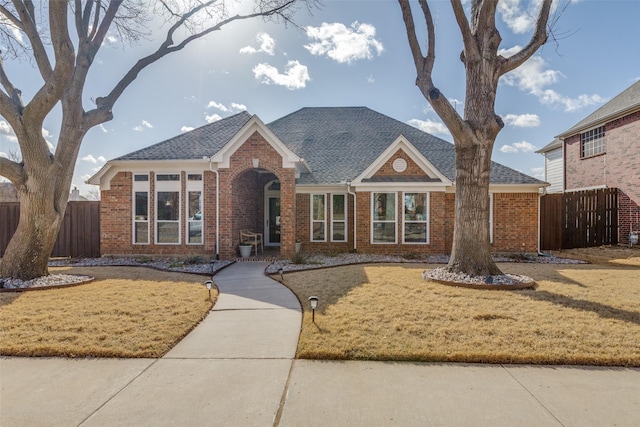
x=579 y=314
x=125 y=312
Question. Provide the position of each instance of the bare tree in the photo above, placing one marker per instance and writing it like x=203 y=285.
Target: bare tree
x=42 y=32
x=473 y=134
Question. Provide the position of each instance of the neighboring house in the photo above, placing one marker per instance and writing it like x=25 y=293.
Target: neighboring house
x=553 y=166
x=602 y=151
x=335 y=179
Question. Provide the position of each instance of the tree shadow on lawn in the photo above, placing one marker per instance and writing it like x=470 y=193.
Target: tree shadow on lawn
x=602 y=310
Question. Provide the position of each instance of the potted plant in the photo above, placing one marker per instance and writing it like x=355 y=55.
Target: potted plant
x=298 y=246
x=245 y=250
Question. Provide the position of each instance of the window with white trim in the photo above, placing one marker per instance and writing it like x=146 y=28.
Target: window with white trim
x=141 y=209
x=383 y=218
x=194 y=209
x=318 y=218
x=338 y=217
x=167 y=209
x=491 y=218
x=416 y=218
x=592 y=142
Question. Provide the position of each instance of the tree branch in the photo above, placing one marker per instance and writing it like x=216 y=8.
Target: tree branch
x=11 y=170
x=57 y=81
x=14 y=94
x=106 y=103
x=30 y=28
x=11 y=17
x=424 y=66
x=470 y=47
x=538 y=38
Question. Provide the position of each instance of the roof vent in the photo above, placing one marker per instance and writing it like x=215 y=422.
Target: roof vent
x=399 y=165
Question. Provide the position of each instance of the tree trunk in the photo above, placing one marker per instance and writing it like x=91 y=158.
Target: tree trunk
x=27 y=255
x=471 y=251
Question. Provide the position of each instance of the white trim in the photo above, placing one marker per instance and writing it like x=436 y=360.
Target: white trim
x=323 y=221
x=372 y=219
x=194 y=186
x=402 y=143
x=140 y=187
x=386 y=187
x=346 y=216
x=595 y=187
x=517 y=188
x=491 y=218
x=168 y=187
x=316 y=189
x=426 y=221
x=269 y=194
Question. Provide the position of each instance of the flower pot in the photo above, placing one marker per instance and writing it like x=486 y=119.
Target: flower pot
x=298 y=247
x=245 y=251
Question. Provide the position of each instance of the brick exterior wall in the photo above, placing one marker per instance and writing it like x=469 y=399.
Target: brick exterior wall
x=619 y=167
x=241 y=199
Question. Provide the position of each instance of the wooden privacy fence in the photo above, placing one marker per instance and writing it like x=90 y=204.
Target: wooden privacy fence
x=79 y=234
x=580 y=219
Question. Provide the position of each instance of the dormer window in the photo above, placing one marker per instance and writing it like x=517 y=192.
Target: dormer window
x=592 y=142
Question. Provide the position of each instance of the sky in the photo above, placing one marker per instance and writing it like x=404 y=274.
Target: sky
x=355 y=53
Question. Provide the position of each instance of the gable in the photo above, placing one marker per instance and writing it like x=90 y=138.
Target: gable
x=402 y=163
x=222 y=159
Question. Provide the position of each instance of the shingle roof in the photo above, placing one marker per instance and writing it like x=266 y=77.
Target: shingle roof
x=627 y=100
x=556 y=143
x=339 y=143
x=203 y=141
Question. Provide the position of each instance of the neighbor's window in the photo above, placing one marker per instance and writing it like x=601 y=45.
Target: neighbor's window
x=167 y=209
x=194 y=209
x=338 y=217
x=141 y=209
x=384 y=225
x=416 y=218
x=592 y=142
x=318 y=218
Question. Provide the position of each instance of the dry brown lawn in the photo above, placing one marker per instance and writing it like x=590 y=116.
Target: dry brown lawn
x=125 y=312
x=579 y=314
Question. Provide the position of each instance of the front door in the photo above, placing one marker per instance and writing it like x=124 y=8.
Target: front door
x=272 y=237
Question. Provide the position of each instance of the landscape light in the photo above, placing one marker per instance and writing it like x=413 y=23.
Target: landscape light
x=313 y=301
x=281 y=272
x=209 y=285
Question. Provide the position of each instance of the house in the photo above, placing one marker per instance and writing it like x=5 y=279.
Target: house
x=335 y=179
x=602 y=151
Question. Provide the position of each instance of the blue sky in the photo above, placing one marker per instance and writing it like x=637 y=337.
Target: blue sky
x=355 y=53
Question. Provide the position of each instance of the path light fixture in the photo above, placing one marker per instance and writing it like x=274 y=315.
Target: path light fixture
x=209 y=285
x=313 y=301
x=281 y=272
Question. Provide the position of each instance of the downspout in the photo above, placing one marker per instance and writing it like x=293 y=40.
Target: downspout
x=217 y=209
x=355 y=217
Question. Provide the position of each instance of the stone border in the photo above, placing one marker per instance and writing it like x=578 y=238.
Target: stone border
x=497 y=287
x=44 y=288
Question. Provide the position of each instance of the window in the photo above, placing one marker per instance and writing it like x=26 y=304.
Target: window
x=167 y=209
x=141 y=209
x=338 y=218
x=383 y=227
x=416 y=218
x=194 y=209
x=318 y=221
x=592 y=142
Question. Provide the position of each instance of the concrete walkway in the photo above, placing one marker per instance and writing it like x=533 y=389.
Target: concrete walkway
x=237 y=369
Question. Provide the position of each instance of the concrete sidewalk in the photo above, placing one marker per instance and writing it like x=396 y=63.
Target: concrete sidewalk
x=237 y=369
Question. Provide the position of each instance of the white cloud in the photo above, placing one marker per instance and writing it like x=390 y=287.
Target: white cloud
x=213 y=118
x=344 y=44
x=538 y=172
x=371 y=79
x=102 y=128
x=238 y=107
x=518 y=147
x=295 y=76
x=534 y=76
x=430 y=126
x=522 y=120
x=90 y=159
x=216 y=105
x=141 y=127
x=3 y=154
x=184 y=129
x=518 y=18
x=267 y=45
